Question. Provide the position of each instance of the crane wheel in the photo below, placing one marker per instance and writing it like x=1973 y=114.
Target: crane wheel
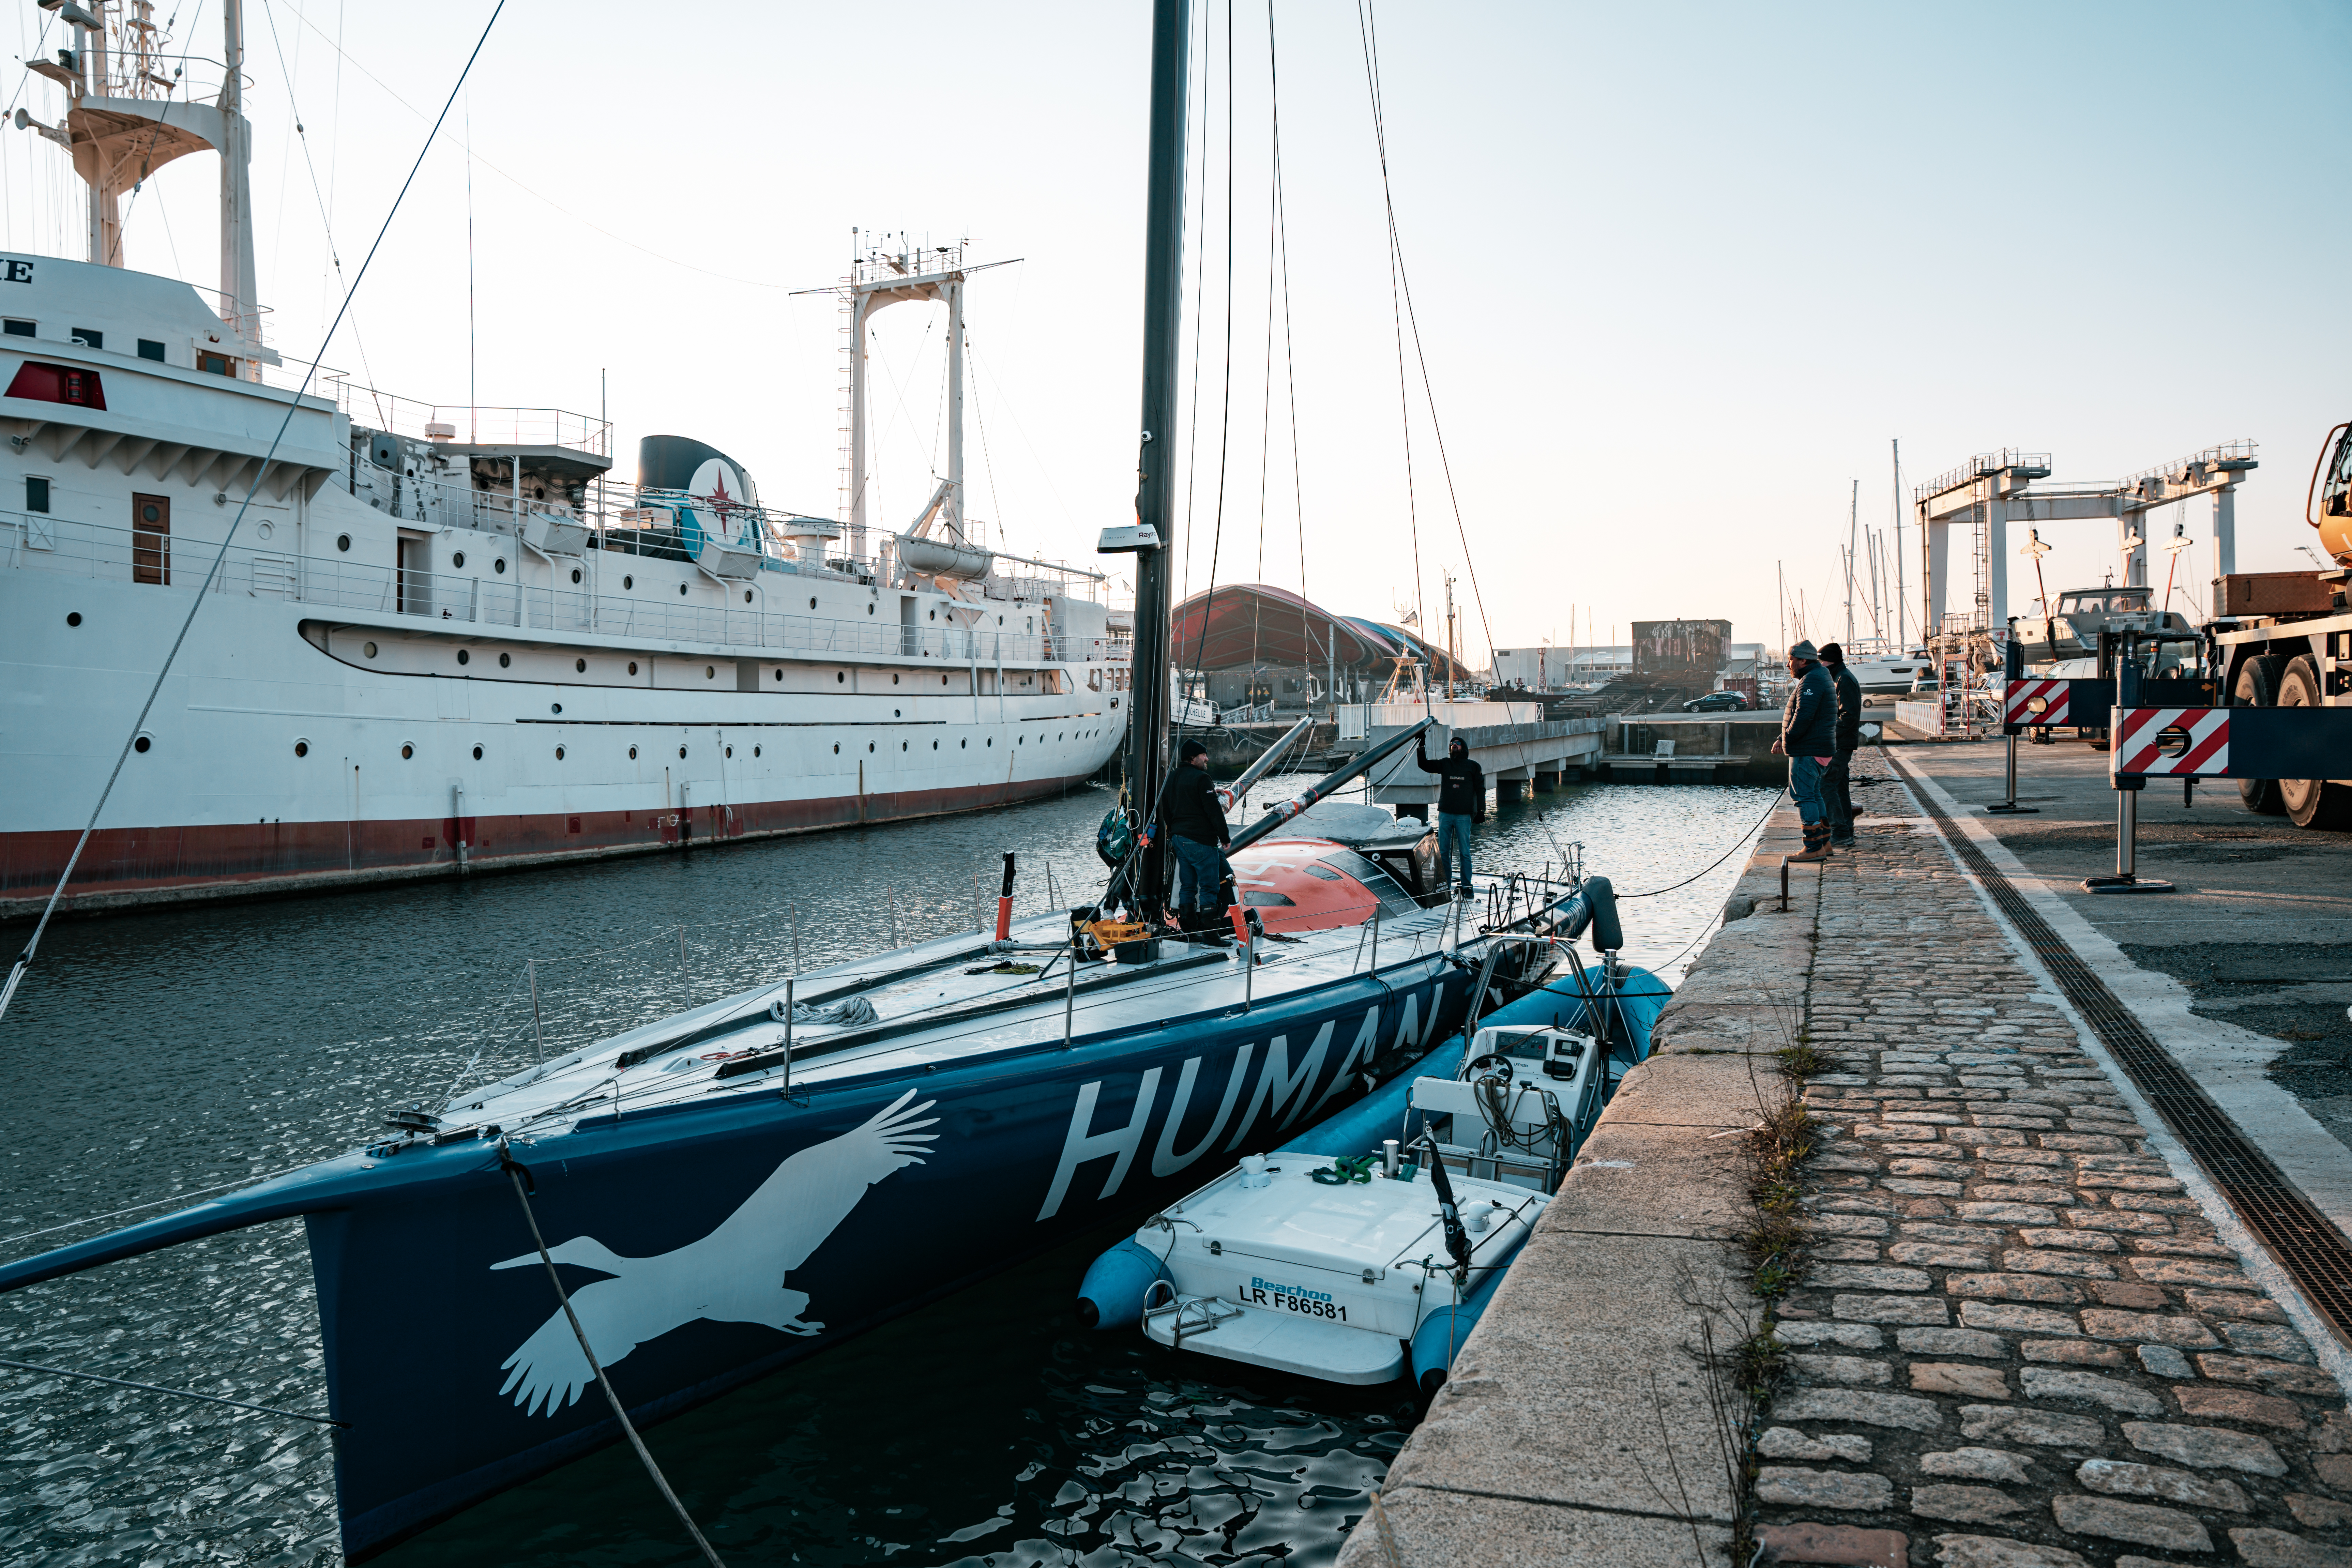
x=2311 y=803
x=2258 y=687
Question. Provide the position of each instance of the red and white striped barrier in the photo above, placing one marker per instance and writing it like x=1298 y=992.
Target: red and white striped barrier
x=2019 y=709
x=2172 y=742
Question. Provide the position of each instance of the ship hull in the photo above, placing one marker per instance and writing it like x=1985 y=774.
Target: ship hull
x=276 y=763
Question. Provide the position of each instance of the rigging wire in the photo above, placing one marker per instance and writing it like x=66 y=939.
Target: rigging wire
x=1396 y=318
x=327 y=223
x=25 y=959
x=182 y=1393
x=1225 y=421
x=1290 y=358
x=1413 y=318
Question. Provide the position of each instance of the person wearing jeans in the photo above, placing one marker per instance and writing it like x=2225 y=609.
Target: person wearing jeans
x=1461 y=802
x=1198 y=833
x=1809 y=739
x=1837 y=784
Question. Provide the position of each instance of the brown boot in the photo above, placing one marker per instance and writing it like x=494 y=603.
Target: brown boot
x=1817 y=846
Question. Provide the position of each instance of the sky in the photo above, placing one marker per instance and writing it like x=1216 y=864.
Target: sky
x=1678 y=273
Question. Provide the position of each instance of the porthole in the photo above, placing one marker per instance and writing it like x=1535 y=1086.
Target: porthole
x=811 y=603
x=368 y=649
x=581 y=665
x=681 y=587
x=633 y=667
x=141 y=743
x=1020 y=740
x=935 y=614
x=407 y=751
x=896 y=714
x=555 y=708
x=992 y=739
x=836 y=748
x=870 y=745
x=869 y=609
x=73 y=618
x=709 y=672
x=747 y=595
x=343 y=542
x=961 y=745
x=839 y=675
x=780 y=675
x=935 y=745
x=477 y=753
x=730 y=751
x=632 y=753
x=575 y=573
x=943 y=681
x=902 y=745
x=628 y=581
x=499 y=564
x=755 y=751
x=558 y=753
x=1000 y=620
x=894 y=679
x=458 y=558
x=301 y=748
x=505 y=659
x=465 y=658
x=681 y=753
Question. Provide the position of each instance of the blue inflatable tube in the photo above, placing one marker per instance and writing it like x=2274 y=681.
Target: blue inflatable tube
x=1439 y=1339
x=1111 y=1295
x=1627 y=1014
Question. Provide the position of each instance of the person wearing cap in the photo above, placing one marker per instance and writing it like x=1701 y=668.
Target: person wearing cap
x=1461 y=800
x=1197 y=833
x=1837 y=784
x=1809 y=739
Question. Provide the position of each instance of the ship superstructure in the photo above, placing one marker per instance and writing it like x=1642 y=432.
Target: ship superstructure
x=445 y=636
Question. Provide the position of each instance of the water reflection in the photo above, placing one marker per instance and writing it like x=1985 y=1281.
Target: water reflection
x=160 y=1054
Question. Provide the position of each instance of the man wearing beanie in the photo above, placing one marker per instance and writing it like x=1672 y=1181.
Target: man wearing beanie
x=1198 y=833
x=1837 y=784
x=1461 y=802
x=1809 y=739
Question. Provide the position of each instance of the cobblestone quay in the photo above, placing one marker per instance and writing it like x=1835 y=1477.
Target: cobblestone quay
x=2028 y=1333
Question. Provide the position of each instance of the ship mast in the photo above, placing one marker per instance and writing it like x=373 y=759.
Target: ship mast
x=126 y=120
x=1155 y=495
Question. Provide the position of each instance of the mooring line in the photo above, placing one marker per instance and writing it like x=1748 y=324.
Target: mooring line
x=182 y=1393
x=515 y=1175
x=2314 y=1253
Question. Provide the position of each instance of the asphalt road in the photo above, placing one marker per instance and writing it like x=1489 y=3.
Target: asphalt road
x=2248 y=963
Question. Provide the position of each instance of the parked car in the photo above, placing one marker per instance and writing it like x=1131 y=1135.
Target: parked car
x=1725 y=701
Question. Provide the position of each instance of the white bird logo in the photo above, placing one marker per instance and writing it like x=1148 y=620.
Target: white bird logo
x=734 y=1275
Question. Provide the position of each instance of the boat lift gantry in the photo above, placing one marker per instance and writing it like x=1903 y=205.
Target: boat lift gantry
x=1993 y=489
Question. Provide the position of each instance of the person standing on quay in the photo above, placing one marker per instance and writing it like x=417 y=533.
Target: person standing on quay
x=1809 y=739
x=1837 y=784
x=1197 y=832
x=1461 y=800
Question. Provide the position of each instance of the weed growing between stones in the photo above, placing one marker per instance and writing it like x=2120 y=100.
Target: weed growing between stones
x=1771 y=1243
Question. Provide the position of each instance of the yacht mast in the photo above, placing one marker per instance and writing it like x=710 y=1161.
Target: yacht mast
x=1155 y=494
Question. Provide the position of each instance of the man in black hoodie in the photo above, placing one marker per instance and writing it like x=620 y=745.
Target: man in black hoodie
x=1461 y=800
x=1197 y=833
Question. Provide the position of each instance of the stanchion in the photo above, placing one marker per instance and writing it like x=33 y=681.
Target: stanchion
x=2011 y=806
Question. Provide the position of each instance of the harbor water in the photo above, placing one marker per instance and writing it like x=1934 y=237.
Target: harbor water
x=151 y=1057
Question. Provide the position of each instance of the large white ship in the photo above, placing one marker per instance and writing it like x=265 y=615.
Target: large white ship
x=442 y=637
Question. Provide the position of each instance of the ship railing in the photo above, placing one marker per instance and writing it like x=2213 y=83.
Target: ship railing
x=495 y=601
x=468 y=425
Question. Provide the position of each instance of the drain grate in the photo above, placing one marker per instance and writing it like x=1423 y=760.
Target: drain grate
x=2305 y=1244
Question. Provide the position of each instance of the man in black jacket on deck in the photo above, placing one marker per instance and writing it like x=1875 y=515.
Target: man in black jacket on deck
x=1197 y=833
x=1461 y=800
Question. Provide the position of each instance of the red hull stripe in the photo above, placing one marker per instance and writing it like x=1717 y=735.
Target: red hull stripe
x=126 y=866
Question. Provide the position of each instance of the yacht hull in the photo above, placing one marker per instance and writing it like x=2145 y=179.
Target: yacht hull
x=711 y=1243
